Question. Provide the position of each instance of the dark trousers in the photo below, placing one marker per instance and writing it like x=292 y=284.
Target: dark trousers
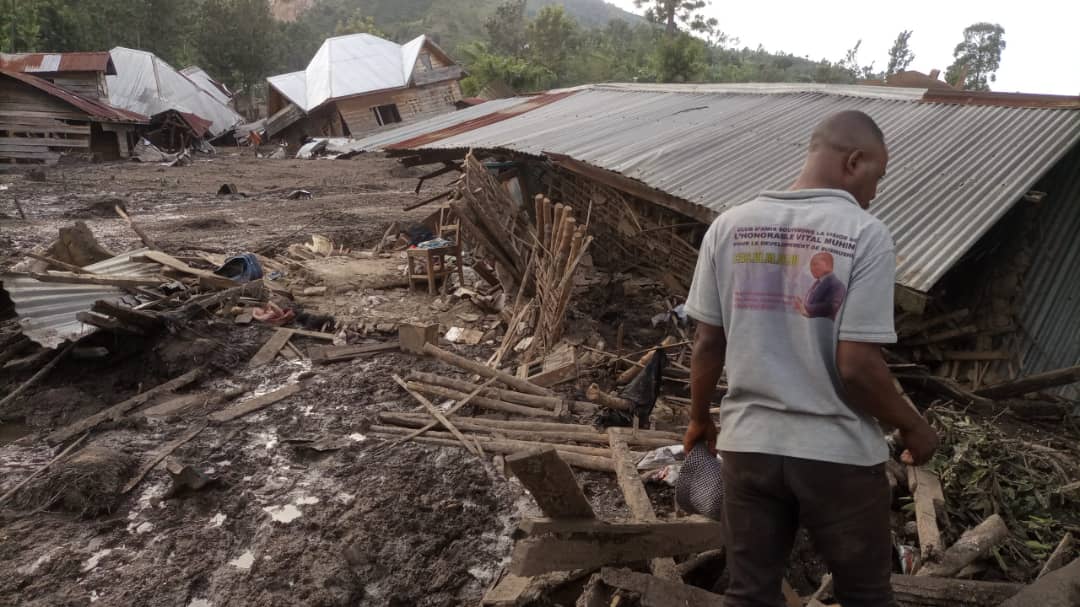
x=845 y=508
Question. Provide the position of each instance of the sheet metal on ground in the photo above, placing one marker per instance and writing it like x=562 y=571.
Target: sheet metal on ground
x=1050 y=312
x=47 y=310
x=954 y=169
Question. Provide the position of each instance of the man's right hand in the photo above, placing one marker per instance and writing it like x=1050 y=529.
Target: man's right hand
x=920 y=442
x=700 y=431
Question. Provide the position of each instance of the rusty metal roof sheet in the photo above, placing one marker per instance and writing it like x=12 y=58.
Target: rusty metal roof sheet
x=1050 y=303
x=46 y=310
x=58 y=62
x=955 y=168
x=96 y=111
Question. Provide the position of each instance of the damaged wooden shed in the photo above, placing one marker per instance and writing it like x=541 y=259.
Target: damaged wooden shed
x=40 y=121
x=981 y=195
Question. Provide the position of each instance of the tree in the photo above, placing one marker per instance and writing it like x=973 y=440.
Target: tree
x=506 y=28
x=20 y=25
x=900 y=55
x=358 y=23
x=671 y=12
x=977 y=58
x=551 y=36
x=679 y=59
x=485 y=67
x=850 y=64
x=237 y=41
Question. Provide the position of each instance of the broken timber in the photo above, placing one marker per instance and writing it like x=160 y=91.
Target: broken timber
x=551 y=483
x=560 y=545
x=161 y=453
x=486 y=403
x=914 y=591
x=250 y=406
x=333 y=354
x=637 y=499
x=117 y=411
x=518 y=384
x=270 y=349
x=973 y=544
x=654 y=591
x=926 y=489
x=510 y=396
x=1032 y=383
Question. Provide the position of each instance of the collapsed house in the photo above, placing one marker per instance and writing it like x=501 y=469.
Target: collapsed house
x=361 y=83
x=57 y=103
x=981 y=197
x=146 y=84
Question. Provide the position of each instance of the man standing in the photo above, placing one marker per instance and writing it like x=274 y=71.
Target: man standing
x=826 y=295
x=797 y=426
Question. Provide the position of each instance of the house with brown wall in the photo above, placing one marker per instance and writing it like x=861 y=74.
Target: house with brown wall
x=358 y=84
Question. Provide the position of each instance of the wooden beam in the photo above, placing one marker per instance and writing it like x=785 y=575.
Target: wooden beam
x=118 y=410
x=634 y=188
x=583 y=544
x=1032 y=383
x=1060 y=588
x=913 y=591
x=333 y=354
x=45 y=142
x=122 y=281
x=1058 y=556
x=161 y=453
x=926 y=489
x=218 y=282
x=438 y=415
x=251 y=405
x=483 y=370
x=270 y=349
x=636 y=498
x=973 y=544
x=654 y=591
x=551 y=483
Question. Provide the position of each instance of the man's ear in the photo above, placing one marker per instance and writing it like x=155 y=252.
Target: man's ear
x=851 y=163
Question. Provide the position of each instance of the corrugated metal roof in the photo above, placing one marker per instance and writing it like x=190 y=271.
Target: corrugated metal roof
x=954 y=170
x=47 y=310
x=1050 y=311
x=345 y=66
x=216 y=89
x=58 y=62
x=95 y=110
x=146 y=84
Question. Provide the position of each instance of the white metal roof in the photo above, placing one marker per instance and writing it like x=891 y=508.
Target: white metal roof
x=146 y=84
x=199 y=76
x=350 y=65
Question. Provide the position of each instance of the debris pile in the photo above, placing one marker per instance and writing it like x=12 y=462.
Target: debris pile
x=397 y=394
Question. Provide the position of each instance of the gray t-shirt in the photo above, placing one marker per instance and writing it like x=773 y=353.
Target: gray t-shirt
x=787 y=276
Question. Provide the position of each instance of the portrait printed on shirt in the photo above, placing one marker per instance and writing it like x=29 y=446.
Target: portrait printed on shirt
x=793 y=270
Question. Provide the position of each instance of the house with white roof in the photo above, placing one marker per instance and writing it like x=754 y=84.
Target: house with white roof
x=360 y=83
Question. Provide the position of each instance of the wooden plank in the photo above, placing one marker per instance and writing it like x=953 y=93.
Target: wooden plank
x=118 y=410
x=161 y=453
x=48 y=142
x=912 y=591
x=976 y=355
x=251 y=405
x=332 y=354
x=270 y=349
x=926 y=488
x=175 y=264
x=438 y=415
x=30 y=125
x=1058 y=556
x=16 y=111
x=637 y=499
x=127 y=282
x=1032 y=383
x=583 y=544
x=516 y=591
x=1060 y=588
x=551 y=483
x=315 y=334
x=653 y=591
x=461 y=362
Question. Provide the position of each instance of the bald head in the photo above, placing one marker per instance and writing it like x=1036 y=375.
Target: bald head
x=846 y=152
x=847 y=130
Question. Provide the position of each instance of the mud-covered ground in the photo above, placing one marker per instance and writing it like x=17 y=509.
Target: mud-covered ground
x=282 y=524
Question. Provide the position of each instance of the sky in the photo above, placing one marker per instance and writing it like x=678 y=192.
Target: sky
x=1042 y=52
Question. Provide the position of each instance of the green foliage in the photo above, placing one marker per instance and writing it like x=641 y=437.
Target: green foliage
x=486 y=67
x=551 y=37
x=985 y=471
x=237 y=40
x=977 y=58
x=20 y=24
x=679 y=58
x=358 y=23
x=506 y=28
x=900 y=55
x=850 y=64
x=673 y=13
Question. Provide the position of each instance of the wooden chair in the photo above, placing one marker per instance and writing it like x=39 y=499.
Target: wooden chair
x=430 y=258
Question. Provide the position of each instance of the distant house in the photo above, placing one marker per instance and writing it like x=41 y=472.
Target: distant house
x=360 y=83
x=80 y=73
x=57 y=103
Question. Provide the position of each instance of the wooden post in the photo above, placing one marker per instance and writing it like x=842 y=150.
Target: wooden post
x=637 y=499
x=973 y=544
x=926 y=489
x=551 y=483
x=461 y=362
